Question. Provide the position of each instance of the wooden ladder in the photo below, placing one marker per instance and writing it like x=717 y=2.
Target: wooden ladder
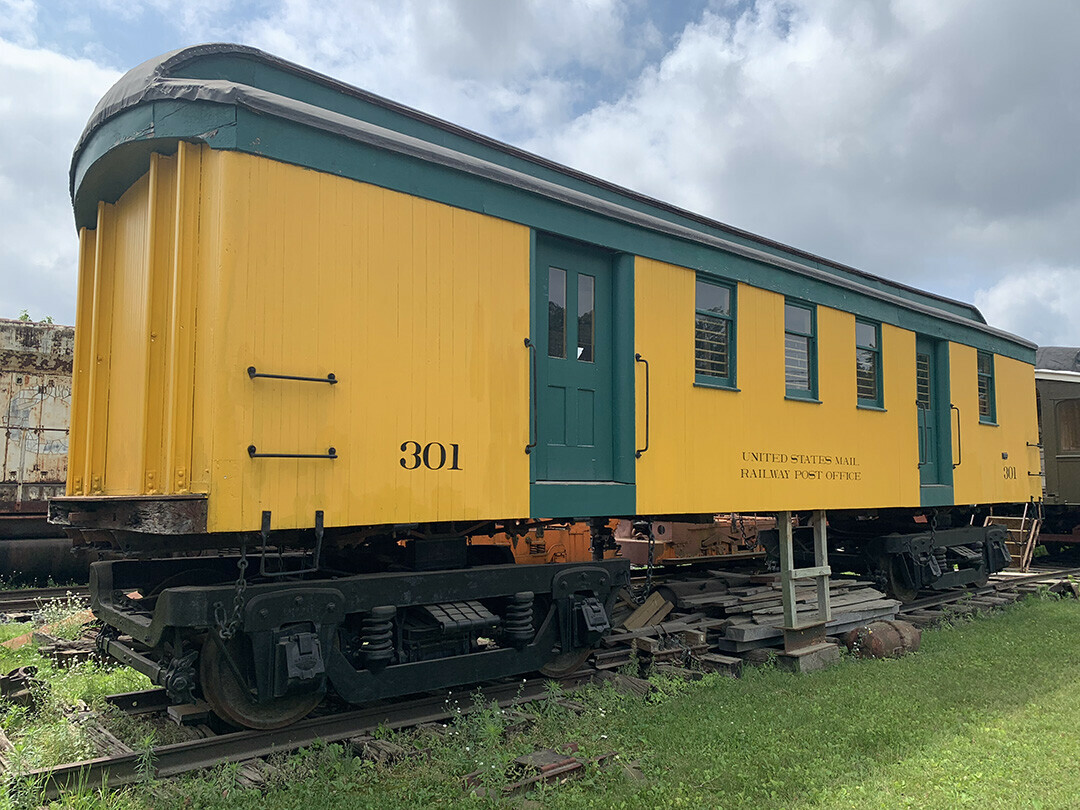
x=1023 y=533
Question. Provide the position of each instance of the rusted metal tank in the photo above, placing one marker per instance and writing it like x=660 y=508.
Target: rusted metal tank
x=35 y=404
x=884 y=639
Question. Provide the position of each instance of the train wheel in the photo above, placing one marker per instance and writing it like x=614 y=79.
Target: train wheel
x=232 y=701
x=565 y=664
x=896 y=580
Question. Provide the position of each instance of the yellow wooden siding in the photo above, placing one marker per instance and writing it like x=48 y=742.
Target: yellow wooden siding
x=77 y=483
x=983 y=475
x=217 y=261
x=417 y=308
x=696 y=460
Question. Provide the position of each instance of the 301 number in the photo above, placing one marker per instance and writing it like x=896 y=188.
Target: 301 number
x=432 y=455
x=1008 y=473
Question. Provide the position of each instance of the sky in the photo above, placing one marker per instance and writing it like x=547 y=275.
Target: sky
x=932 y=142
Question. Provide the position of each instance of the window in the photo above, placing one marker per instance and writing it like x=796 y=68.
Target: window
x=586 y=317
x=987 y=406
x=714 y=334
x=868 y=364
x=556 y=312
x=800 y=351
x=1068 y=425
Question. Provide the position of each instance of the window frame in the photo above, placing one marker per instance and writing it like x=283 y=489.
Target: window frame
x=810 y=395
x=991 y=417
x=878 y=402
x=713 y=380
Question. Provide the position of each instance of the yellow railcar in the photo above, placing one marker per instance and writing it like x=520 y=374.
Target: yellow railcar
x=331 y=331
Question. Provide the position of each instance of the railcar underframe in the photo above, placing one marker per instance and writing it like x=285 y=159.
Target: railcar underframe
x=264 y=634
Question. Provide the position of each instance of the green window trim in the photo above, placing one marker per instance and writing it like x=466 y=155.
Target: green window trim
x=800 y=350
x=984 y=367
x=714 y=334
x=869 y=391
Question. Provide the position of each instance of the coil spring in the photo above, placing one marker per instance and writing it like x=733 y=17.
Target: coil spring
x=377 y=637
x=518 y=621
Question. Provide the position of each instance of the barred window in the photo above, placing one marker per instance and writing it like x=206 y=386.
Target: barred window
x=800 y=351
x=868 y=364
x=714 y=334
x=987 y=405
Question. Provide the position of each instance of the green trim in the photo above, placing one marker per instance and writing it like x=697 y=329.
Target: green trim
x=936 y=495
x=991 y=417
x=796 y=398
x=623 y=390
x=731 y=332
x=811 y=351
x=878 y=408
x=116 y=151
x=581 y=500
x=879 y=372
x=708 y=382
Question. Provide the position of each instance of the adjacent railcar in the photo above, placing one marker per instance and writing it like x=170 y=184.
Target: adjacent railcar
x=1057 y=381
x=334 y=338
x=35 y=400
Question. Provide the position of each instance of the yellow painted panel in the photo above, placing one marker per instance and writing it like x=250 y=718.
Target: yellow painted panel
x=985 y=475
x=182 y=271
x=714 y=450
x=160 y=248
x=128 y=354
x=100 y=353
x=77 y=484
x=417 y=308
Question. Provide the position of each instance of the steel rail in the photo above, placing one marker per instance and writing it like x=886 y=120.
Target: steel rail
x=177 y=758
x=24 y=599
x=990 y=588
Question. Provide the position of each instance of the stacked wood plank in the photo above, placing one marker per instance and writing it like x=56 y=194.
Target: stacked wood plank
x=725 y=612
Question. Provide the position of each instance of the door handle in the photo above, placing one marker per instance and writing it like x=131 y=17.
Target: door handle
x=532 y=365
x=639 y=359
x=959 y=440
x=920 y=422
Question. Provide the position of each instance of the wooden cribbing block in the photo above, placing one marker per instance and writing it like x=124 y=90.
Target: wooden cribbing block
x=641 y=616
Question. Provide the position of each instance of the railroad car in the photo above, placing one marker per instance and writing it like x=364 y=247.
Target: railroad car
x=1057 y=382
x=331 y=338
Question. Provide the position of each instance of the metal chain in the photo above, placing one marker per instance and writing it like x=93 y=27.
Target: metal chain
x=227 y=628
x=651 y=562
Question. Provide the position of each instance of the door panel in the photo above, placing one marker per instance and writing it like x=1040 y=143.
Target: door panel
x=932 y=420
x=575 y=366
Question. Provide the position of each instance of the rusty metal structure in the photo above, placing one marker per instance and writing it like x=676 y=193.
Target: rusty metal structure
x=35 y=401
x=35 y=405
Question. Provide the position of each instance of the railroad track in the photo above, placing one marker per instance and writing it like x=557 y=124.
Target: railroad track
x=1002 y=589
x=28 y=600
x=127 y=766
x=171 y=760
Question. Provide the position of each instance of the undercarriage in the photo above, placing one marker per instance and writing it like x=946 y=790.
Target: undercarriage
x=263 y=651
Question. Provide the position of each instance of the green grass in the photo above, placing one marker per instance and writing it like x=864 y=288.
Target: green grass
x=983 y=716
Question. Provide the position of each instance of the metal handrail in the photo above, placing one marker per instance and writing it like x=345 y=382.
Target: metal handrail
x=959 y=440
x=639 y=359
x=535 y=426
x=329 y=378
x=920 y=422
x=253 y=452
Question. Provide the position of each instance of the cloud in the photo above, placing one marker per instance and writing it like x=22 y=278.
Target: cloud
x=506 y=69
x=45 y=99
x=1039 y=303
x=930 y=142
